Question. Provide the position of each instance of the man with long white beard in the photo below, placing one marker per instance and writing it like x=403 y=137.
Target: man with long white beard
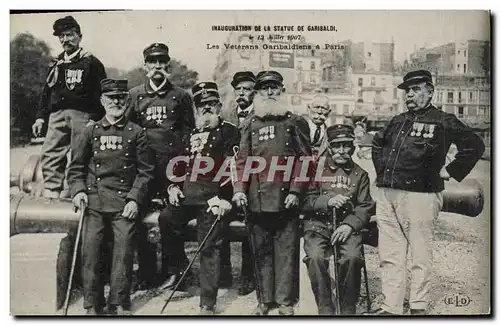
x=110 y=173
x=204 y=194
x=277 y=138
x=343 y=190
x=166 y=112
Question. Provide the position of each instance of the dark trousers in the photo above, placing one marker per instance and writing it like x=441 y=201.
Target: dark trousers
x=122 y=232
x=318 y=252
x=247 y=267
x=173 y=221
x=275 y=239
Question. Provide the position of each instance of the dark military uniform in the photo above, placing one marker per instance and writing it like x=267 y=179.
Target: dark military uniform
x=167 y=116
x=113 y=165
x=217 y=144
x=274 y=229
x=350 y=180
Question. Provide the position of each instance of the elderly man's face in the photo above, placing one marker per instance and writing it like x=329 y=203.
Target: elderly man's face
x=208 y=113
x=244 y=93
x=319 y=111
x=115 y=104
x=341 y=152
x=271 y=90
x=156 y=67
x=418 y=96
x=70 y=40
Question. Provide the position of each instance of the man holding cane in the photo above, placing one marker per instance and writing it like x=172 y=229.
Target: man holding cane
x=336 y=208
x=204 y=194
x=110 y=172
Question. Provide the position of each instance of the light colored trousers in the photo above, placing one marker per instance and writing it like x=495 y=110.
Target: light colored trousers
x=64 y=127
x=405 y=222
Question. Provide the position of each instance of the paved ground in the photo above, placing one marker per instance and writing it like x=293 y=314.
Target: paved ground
x=462 y=269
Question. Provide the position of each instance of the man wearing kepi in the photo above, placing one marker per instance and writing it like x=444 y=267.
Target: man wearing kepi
x=70 y=99
x=409 y=158
x=243 y=84
x=268 y=165
x=205 y=193
x=110 y=172
x=166 y=113
x=341 y=187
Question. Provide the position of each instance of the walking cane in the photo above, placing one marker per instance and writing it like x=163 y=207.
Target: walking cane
x=335 y=271
x=81 y=212
x=254 y=253
x=191 y=263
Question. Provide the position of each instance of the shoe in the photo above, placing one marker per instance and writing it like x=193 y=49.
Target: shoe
x=381 y=312
x=261 y=310
x=92 y=311
x=246 y=287
x=122 y=311
x=285 y=310
x=418 y=312
x=206 y=311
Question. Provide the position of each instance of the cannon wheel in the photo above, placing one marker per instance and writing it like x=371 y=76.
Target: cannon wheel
x=30 y=173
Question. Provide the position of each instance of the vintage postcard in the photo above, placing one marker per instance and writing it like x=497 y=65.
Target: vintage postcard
x=250 y=163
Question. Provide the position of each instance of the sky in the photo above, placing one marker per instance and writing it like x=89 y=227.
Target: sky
x=118 y=38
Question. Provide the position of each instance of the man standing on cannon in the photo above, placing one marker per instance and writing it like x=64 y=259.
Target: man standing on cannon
x=70 y=99
x=272 y=143
x=166 y=113
x=205 y=194
x=109 y=174
x=409 y=158
x=337 y=206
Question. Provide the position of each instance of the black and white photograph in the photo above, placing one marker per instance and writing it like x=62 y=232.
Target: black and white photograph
x=321 y=163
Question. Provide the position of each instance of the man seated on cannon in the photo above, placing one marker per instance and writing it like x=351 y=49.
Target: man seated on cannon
x=205 y=193
x=110 y=172
x=337 y=207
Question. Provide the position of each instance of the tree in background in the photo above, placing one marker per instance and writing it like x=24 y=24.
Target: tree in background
x=29 y=65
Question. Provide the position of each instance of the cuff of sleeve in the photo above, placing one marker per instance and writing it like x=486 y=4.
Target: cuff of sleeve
x=455 y=172
x=77 y=188
x=135 y=195
x=354 y=222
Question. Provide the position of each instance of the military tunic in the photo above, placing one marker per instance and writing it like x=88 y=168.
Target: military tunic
x=167 y=115
x=216 y=144
x=113 y=165
x=274 y=230
x=354 y=182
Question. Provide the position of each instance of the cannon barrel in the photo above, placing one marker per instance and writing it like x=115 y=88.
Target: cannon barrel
x=29 y=214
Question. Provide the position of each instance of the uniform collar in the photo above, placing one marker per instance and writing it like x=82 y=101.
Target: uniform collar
x=421 y=112
x=162 y=90
x=119 y=124
x=249 y=109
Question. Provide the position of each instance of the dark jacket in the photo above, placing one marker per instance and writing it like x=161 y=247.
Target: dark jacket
x=166 y=114
x=77 y=87
x=216 y=144
x=113 y=164
x=273 y=138
x=351 y=181
x=410 y=152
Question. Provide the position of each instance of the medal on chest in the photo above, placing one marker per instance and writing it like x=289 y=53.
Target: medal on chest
x=198 y=142
x=156 y=113
x=341 y=182
x=73 y=77
x=429 y=131
x=110 y=142
x=267 y=133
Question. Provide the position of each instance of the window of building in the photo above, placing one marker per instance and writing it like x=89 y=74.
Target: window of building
x=460 y=111
x=312 y=52
x=360 y=94
x=313 y=65
x=372 y=81
x=458 y=67
x=465 y=68
x=346 y=109
x=312 y=79
x=299 y=65
x=369 y=54
x=450 y=97
x=458 y=51
x=324 y=74
x=481 y=111
x=459 y=96
x=465 y=53
x=334 y=108
x=440 y=107
x=360 y=81
x=471 y=95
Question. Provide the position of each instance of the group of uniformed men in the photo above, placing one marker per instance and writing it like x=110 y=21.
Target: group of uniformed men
x=119 y=163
